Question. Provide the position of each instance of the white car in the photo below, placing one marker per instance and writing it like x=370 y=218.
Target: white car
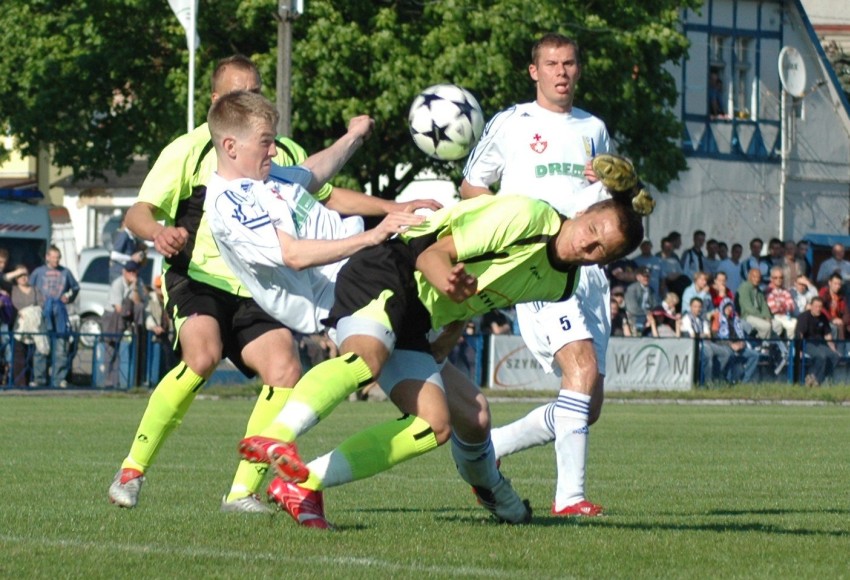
x=94 y=287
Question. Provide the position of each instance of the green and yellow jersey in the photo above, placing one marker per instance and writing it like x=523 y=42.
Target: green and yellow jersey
x=503 y=241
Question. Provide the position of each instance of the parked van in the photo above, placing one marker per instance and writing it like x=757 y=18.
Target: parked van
x=27 y=228
x=94 y=287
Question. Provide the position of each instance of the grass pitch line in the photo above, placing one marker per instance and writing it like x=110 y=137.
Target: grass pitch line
x=351 y=562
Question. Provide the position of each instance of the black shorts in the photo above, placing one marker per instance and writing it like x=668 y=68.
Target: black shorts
x=240 y=320
x=373 y=271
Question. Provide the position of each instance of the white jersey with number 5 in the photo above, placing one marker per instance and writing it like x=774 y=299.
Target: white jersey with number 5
x=542 y=154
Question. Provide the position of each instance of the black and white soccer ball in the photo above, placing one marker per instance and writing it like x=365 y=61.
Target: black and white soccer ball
x=446 y=122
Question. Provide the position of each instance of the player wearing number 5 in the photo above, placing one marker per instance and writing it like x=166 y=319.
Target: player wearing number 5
x=544 y=149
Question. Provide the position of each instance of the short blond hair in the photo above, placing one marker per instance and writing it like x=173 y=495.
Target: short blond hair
x=234 y=112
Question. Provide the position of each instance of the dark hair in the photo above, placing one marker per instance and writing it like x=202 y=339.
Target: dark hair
x=556 y=40
x=754 y=240
x=630 y=223
x=237 y=61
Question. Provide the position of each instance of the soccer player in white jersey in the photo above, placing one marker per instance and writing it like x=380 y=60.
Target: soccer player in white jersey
x=544 y=149
x=285 y=246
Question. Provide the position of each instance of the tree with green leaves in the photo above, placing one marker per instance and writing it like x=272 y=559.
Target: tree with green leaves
x=102 y=80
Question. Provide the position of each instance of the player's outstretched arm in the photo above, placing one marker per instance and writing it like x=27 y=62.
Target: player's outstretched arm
x=168 y=240
x=305 y=253
x=327 y=162
x=350 y=202
x=437 y=264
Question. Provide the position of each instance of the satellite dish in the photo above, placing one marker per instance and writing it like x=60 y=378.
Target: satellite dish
x=792 y=71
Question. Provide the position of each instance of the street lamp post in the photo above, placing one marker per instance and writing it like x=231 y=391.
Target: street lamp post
x=287 y=12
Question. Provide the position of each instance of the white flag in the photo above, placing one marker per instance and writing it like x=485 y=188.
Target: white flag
x=186 y=12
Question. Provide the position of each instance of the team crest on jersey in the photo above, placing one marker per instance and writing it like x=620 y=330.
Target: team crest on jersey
x=588 y=146
x=538 y=145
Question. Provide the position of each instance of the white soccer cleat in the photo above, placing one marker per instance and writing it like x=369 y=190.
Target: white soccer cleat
x=125 y=488
x=250 y=504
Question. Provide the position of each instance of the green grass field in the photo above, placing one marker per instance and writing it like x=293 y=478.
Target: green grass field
x=692 y=491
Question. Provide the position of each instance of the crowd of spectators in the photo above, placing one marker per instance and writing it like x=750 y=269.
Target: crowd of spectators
x=39 y=340
x=743 y=309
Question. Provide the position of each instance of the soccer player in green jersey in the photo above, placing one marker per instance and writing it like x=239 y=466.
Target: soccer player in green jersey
x=481 y=254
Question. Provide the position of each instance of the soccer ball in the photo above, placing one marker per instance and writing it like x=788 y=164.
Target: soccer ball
x=445 y=122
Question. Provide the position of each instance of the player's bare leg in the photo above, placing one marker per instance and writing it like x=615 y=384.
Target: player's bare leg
x=473 y=450
x=279 y=373
x=201 y=346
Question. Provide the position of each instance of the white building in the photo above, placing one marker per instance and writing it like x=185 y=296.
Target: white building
x=733 y=188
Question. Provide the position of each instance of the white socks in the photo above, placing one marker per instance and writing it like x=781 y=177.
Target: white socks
x=536 y=428
x=571 y=412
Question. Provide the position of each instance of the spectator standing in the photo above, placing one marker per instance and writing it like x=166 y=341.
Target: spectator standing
x=714 y=358
x=756 y=261
x=126 y=247
x=161 y=357
x=693 y=260
x=803 y=256
x=813 y=327
x=722 y=251
x=754 y=309
x=792 y=266
x=732 y=267
x=621 y=272
x=676 y=243
x=25 y=301
x=700 y=289
x=780 y=302
x=672 y=277
x=639 y=302
x=731 y=331
x=463 y=355
x=834 y=264
x=835 y=306
x=646 y=259
x=775 y=253
x=57 y=288
x=126 y=304
x=712 y=259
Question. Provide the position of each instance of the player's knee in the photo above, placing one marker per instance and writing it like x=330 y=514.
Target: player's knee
x=202 y=362
x=280 y=373
x=440 y=426
x=442 y=432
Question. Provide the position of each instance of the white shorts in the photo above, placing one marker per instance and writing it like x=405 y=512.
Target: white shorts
x=546 y=327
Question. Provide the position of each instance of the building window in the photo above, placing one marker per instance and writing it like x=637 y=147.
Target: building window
x=743 y=80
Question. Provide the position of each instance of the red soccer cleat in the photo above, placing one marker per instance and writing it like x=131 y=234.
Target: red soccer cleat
x=306 y=506
x=582 y=508
x=283 y=456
